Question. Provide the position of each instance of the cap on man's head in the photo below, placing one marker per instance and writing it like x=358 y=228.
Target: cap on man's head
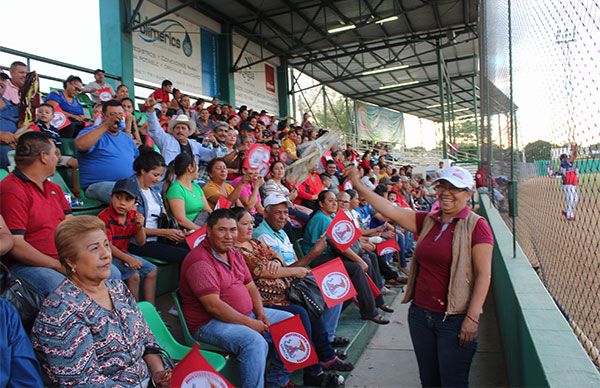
x=99 y=71
x=395 y=179
x=276 y=199
x=4 y=76
x=126 y=186
x=457 y=177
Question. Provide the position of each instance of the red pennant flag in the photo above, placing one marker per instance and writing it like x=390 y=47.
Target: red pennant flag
x=342 y=231
x=292 y=344
x=374 y=289
x=195 y=371
x=60 y=120
x=104 y=94
x=388 y=246
x=334 y=282
x=223 y=203
x=195 y=238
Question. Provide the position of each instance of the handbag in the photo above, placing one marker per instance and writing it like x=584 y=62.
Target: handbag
x=165 y=221
x=18 y=292
x=306 y=293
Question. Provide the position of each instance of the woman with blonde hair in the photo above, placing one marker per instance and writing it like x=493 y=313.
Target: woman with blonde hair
x=89 y=330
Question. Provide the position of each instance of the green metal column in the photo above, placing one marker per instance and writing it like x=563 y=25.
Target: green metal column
x=115 y=43
x=225 y=62
x=476 y=122
x=325 y=123
x=283 y=86
x=441 y=91
x=451 y=124
x=292 y=93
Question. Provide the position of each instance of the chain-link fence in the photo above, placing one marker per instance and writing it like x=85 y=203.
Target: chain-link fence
x=539 y=69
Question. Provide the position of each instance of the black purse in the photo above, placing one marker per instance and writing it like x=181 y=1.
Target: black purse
x=18 y=292
x=165 y=221
x=306 y=293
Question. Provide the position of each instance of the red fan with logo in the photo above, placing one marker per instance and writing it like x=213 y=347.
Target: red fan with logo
x=60 y=120
x=293 y=344
x=258 y=157
x=195 y=371
x=334 y=282
x=388 y=246
x=195 y=238
x=342 y=231
x=104 y=94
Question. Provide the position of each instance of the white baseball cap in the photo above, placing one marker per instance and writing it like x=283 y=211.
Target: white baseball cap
x=458 y=177
x=276 y=199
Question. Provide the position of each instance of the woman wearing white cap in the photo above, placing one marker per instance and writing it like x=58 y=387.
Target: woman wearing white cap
x=449 y=277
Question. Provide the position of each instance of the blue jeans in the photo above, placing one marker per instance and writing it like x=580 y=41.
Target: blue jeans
x=442 y=361
x=126 y=270
x=251 y=349
x=330 y=317
x=100 y=191
x=47 y=279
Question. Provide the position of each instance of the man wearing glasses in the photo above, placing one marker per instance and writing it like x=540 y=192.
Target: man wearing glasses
x=105 y=153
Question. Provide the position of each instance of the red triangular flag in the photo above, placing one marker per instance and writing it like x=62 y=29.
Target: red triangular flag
x=195 y=238
x=104 y=94
x=195 y=371
x=374 y=289
x=292 y=343
x=223 y=203
x=60 y=120
x=342 y=231
x=257 y=154
x=388 y=246
x=334 y=282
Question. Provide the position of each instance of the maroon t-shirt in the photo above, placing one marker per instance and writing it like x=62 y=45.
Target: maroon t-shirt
x=435 y=258
x=203 y=274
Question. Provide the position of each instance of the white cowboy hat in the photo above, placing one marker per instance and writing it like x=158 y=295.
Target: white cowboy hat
x=182 y=119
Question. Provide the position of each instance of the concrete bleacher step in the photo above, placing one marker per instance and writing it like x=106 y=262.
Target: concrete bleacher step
x=358 y=331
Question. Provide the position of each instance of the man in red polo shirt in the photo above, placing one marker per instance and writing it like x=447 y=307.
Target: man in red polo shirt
x=223 y=307
x=32 y=207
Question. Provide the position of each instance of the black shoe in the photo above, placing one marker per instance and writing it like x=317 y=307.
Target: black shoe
x=377 y=319
x=340 y=342
x=338 y=365
x=323 y=380
x=386 y=308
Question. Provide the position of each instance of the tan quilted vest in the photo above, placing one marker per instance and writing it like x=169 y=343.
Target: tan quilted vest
x=461 y=269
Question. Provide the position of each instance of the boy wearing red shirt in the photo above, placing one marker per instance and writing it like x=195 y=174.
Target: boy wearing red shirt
x=123 y=223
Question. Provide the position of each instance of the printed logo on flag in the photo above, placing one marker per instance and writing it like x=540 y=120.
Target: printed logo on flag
x=292 y=344
x=294 y=347
x=335 y=285
x=104 y=94
x=258 y=157
x=59 y=119
x=387 y=250
x=343 y=232
x=203 y=378
x=388 y=246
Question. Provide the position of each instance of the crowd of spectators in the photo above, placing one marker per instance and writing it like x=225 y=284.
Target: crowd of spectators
x=161 y=180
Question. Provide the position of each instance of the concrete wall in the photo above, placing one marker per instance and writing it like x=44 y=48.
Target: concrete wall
x=540 y=349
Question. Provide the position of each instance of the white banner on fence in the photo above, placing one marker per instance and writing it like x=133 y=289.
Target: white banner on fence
x=168 y=48
x=255 y=86
x=379 y=124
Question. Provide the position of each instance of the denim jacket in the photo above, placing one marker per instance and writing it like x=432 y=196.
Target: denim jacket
x=141 y=204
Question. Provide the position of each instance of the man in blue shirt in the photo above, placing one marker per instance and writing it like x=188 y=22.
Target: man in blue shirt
x=270 y=231
x=9 y=116
x=105 y=153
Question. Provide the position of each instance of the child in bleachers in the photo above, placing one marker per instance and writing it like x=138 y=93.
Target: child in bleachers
x=123 y=223
x=44 y=116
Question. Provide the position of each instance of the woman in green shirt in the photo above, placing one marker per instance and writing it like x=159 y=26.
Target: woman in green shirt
x=185 y=198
